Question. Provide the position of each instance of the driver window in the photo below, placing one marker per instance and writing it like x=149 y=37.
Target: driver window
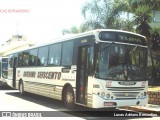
x=113 y=56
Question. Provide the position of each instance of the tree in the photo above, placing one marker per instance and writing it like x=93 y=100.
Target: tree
x=142 y=19
x=155 y=39
x=65 y=31
x=155 y=46
x=72 y=30
x=95 y=13
x=108 y=15
x=143 y=16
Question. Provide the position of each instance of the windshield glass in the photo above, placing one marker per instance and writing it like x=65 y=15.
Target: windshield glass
x=121 y=62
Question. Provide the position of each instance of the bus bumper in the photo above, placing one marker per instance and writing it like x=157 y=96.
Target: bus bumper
x=99 y=102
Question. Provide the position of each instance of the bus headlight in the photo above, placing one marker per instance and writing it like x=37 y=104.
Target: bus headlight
x=102 y=94
x=108 y=96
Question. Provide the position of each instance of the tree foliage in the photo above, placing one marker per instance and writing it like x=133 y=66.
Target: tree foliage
x=155 y=39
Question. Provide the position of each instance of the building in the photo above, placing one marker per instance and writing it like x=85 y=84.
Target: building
x=15 y=43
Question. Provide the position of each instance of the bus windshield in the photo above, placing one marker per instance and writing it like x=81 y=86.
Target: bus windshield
x=121 y=62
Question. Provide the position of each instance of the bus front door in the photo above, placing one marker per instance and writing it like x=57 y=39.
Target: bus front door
x=82 y=75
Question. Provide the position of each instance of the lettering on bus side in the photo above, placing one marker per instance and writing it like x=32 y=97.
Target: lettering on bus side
x=31 y=74
x=49 y=75
x=43 y=75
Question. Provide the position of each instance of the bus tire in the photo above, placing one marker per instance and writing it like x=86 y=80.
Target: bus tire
x=21 y=88
x=68 y=98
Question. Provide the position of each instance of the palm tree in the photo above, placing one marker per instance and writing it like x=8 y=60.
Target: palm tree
x=155 y=40
x=108 y=16
x=143 y=17
x=94 y=13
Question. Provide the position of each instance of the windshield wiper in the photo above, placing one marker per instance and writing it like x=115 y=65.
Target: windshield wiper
x=134 y=49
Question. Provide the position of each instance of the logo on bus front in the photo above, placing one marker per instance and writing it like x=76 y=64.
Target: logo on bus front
x=127 y=83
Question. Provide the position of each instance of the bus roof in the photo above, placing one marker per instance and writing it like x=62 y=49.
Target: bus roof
x=74 y=36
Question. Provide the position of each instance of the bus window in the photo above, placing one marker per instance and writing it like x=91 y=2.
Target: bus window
x=3 y=67
x=25 y=58
x=67 y=53
x=20 y=59
x=55 y=54
x=43 y=56
x=10 y=63
x=33 y=57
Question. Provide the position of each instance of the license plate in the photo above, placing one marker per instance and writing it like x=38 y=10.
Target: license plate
x=108 y=103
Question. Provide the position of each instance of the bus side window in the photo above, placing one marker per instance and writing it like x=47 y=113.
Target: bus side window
x=55 y=54
x=33 y=57
x=25 y=58
x=43 y=55
x=10 y=64
x=67 y=53
x=20 y=59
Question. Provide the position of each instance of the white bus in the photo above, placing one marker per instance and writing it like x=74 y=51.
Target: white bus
x=3 y=70
x=97 y=69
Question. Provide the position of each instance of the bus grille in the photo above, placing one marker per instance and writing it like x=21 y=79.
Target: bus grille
x=125 y=95
x=126 y=92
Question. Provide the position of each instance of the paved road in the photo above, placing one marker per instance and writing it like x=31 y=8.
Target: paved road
x=10 y=100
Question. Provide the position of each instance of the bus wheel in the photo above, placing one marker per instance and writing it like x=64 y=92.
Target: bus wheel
x=68 y=98
x=21 y=88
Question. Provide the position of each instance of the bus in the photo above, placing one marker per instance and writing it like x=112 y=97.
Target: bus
x=97 y=69
x=3 y=70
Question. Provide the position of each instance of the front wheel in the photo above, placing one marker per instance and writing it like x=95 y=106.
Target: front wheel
x=21 y=88
x=68 y=98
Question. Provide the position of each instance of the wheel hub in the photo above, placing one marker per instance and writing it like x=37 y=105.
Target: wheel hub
x=69 y=97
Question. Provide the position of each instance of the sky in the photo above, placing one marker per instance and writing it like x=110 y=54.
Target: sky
x=39 y=20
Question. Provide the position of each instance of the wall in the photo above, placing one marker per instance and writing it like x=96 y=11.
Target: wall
x=154 y=97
